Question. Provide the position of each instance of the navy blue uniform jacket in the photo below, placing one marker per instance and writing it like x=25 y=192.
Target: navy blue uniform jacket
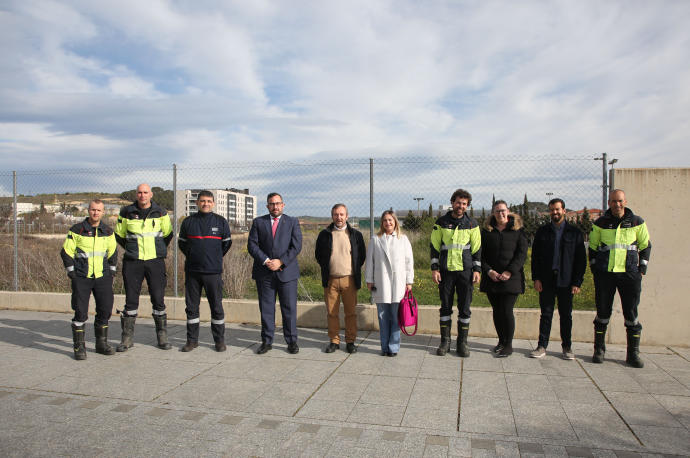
x=286 y=246
x=204 y=239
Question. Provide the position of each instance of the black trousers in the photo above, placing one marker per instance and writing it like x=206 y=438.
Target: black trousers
x=629 y=286
x=102 y=289
x=459 y=282
x=133 y=274
x=547 y=299
x=504 y=320
x=213 y=285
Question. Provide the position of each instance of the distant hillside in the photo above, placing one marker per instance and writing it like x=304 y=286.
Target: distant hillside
x=68 y=198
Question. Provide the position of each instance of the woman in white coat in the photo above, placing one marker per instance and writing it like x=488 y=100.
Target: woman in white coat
x=389 y=274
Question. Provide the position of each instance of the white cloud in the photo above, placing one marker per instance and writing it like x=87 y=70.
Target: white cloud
x=178 y=81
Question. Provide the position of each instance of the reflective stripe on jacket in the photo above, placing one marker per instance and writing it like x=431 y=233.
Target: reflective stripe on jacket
x=456 y=244
x=90 y=252
x=144 y=238
x=619 y=244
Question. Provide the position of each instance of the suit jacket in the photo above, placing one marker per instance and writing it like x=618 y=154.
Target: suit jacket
x=285 y=246
x=389 y=269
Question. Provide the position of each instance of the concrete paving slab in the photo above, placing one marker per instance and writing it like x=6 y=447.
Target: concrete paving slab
x=389 y=391
x=529 y=387
x=641 y=409
x=664 y=439
x=581 y=390
x=542 y=418
x=484 y=414
x=484 y=384
x=239 y=403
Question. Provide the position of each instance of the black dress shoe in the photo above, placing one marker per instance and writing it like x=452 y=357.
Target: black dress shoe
x=497 y=348
x=392 y=354
x=350 y=347
x=263 y=348
x=384 y=353
x=332 y=347
x=293 y=348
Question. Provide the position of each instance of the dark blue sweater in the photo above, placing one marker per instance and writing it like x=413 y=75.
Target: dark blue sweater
x=204 y=239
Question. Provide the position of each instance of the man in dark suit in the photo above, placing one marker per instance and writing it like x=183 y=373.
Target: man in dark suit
x=274 y=242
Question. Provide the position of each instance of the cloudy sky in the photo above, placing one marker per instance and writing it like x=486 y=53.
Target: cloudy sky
x=145 y=82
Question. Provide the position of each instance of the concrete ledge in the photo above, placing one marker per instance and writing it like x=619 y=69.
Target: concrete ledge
x=313 y=315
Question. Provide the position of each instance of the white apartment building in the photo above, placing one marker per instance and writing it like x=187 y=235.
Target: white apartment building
x=235 y=205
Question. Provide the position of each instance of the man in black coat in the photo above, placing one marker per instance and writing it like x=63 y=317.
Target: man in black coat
x=558 y=268
x=204 y=239
x=340 y=252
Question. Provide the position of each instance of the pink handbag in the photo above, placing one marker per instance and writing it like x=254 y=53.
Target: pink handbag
x=408 y=314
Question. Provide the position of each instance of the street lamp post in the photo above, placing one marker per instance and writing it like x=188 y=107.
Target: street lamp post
x=418 y=199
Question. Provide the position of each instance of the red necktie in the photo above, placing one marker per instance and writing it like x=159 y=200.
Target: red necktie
x=274 y=227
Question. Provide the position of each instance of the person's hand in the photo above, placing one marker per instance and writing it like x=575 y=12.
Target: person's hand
x=369 y=286
x=408 y=287
x=538 y=286
x=436 y=276
x=274 y=264
x=493 y=275
x=505 y=276
x=475 y=277
x=575 y=290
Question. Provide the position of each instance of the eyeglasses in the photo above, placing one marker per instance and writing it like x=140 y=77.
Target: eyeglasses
x=274 y=204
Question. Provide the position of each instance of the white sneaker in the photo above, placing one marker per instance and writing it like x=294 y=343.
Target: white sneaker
x=568 y=353
x=540 y=352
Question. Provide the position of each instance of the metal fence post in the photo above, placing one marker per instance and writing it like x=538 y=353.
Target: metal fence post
x=604 y=182
x=15 y=237
x=175 y=225
x=371 y=198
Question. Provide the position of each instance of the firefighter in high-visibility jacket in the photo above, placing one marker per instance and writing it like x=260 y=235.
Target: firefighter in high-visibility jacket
x=619 y=250
x=455 y=266
x=89 y=255
x=144 y=231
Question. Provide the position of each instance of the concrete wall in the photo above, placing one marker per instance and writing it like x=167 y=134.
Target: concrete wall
x=312 y=315
x=659 y=196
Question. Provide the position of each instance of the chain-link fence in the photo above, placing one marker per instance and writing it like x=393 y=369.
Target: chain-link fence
x=48 y=202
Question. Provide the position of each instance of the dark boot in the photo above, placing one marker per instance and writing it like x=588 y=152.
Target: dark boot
x=463 y=350
x=189 y=346
x=445 y=338
x=599 y=342
x=102 y=345
x=127 y=323
x=79 y=345
x=633 y=356
x=162 y=331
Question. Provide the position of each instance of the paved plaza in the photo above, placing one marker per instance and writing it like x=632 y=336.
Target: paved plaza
x=149 y=402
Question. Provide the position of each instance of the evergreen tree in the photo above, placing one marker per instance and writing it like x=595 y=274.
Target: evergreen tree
x=525 y=207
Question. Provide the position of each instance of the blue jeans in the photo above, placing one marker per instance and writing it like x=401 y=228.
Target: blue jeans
x=388 y=327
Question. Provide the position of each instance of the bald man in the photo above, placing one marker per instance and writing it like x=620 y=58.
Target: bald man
x=619 y=249
x=144 y=231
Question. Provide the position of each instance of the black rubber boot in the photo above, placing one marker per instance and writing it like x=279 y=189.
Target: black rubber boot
x=189 y=346
x=162 y=331
x=445 y=338
x=633 y=356
x=102 y=345
x=127 y=323
x=79 y=345
x=599 y=342
x=463 y=350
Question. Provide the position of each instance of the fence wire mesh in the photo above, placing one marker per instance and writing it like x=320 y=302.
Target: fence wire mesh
x=50 y=201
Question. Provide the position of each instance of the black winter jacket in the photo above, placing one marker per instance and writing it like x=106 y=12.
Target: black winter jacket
x=204 y=239
x=501 y=251
x=324 y=247
x=573 y=263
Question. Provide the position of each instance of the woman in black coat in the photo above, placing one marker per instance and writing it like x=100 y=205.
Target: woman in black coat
x=504 y=250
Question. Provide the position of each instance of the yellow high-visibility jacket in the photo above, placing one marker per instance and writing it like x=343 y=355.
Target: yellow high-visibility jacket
x=456 y=244
x=144 y=236
x=619 y=245
x=90 y=252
